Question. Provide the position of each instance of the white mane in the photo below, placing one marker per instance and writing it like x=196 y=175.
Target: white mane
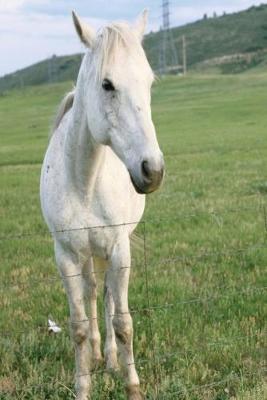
x=64 y=107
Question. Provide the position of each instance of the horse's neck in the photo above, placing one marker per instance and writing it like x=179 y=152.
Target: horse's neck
x=83 y=157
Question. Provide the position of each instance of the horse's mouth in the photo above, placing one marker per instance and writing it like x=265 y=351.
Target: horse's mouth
x=137 y=188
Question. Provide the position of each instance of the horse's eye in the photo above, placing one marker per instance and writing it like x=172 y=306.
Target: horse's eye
x=108 y=85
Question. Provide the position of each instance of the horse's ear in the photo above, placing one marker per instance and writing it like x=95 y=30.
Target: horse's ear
x=85 y=32
x=141 y=23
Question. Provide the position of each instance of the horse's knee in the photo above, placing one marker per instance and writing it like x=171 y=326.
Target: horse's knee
x=95 y=346
x=80 y=331
x=123 y=327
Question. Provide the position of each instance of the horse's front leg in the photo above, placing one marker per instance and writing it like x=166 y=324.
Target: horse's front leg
x=73 y=281
x=91 y=293
x=110 y=350
x=118 y=280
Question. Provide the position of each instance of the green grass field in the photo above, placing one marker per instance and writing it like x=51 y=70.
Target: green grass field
x=203 y=337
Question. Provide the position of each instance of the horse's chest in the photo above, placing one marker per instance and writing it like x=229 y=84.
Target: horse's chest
x=89 y=230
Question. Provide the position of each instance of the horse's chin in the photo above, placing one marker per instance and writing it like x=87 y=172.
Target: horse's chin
x=146 y=190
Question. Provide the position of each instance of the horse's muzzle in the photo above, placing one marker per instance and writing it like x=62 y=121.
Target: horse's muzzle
x=151 y=178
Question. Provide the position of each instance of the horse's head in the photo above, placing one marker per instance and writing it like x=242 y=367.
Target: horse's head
x=117 y=83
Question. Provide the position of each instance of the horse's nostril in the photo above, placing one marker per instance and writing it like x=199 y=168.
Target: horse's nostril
x=145 y=170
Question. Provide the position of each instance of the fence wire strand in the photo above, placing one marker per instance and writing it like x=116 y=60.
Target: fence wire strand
x=162 y=262
x=154 y=221
x=158 y=307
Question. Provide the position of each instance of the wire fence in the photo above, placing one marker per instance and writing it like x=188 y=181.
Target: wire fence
x=147 y=311
x=186 y=259
x=212 y=213
x=150 y=309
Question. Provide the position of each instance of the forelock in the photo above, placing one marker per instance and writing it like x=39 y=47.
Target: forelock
x=112 y=38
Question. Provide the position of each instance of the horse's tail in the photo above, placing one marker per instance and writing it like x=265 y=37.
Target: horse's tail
x=64 y=107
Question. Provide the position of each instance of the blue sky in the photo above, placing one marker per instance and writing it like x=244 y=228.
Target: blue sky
x=32 y=30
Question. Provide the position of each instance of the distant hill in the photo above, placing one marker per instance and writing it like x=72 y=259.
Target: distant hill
x=231 y=43
x=239 y=33
x=55 y=69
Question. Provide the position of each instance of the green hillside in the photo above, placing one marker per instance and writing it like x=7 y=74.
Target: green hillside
x=242 y=37
x=239 y=33
x=56 y=69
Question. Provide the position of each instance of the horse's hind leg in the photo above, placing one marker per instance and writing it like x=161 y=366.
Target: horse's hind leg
x=110 y=343
x=91 y=293
x=79 y=325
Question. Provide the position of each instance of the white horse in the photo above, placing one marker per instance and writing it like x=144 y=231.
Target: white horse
x=102 y=159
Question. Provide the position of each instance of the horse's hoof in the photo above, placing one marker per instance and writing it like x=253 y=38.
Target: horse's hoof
x=134 y=393
x=83 y=397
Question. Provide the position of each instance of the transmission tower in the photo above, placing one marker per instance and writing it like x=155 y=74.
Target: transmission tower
x=168 y=52
x=166 y=14
x=52 y=69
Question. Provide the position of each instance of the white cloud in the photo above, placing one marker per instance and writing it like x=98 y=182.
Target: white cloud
x=26 y=39
x=10 y=6
x=185 y=14
x=13 y=6
x=38 y=25
x=32 y=30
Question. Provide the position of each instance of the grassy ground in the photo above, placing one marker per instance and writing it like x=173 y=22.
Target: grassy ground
x=206 y=251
